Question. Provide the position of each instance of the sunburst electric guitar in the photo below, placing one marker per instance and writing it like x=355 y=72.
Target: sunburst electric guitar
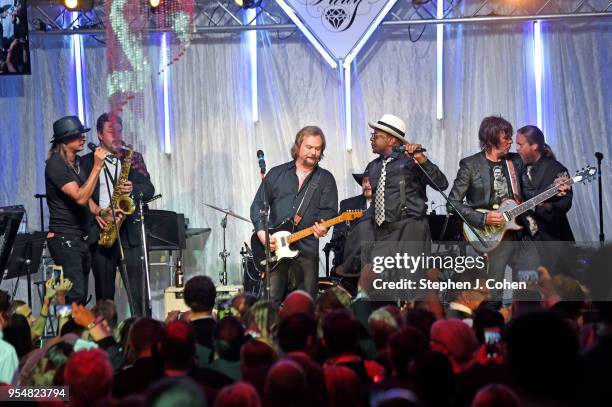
x=510 y=209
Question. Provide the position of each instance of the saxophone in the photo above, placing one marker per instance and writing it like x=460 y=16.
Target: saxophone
x=108 y=235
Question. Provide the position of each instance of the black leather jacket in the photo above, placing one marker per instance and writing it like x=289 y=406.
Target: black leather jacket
x=472 y=187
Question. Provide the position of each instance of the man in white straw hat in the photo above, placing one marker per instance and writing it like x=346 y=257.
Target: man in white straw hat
x=400 y=199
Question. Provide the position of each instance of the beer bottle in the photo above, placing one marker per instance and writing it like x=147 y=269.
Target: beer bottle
x=178 y=274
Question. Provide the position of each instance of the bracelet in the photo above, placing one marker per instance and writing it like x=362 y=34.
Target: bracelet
x=95 y=322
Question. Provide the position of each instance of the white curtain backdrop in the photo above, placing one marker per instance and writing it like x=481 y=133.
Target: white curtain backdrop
x=488 y=70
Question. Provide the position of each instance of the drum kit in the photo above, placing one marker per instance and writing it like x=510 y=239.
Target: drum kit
x=252 y=273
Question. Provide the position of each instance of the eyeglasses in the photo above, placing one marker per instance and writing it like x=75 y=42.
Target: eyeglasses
x=376 y=135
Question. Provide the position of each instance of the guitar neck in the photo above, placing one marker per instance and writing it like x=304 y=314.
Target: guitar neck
x=536 y=200
x=309 y=231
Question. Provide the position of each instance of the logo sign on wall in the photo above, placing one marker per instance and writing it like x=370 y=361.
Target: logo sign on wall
x=337 y=28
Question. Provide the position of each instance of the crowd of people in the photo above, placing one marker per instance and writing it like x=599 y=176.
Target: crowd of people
x=14 y=51
x=333 y=350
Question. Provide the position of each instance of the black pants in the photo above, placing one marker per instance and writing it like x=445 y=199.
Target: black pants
x=71 y=252
x=300 y=273
x=515 y=251
x=553 y=253
x=410 y=236
x=104 y=264
x=405 y=230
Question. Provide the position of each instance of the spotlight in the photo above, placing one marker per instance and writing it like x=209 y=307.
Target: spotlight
x=154 y=3
x=82 y=5
x=248 y=3
x=71 y=4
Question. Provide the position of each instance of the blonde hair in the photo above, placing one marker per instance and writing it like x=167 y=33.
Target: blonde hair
x=59 y=148
x=299 y=138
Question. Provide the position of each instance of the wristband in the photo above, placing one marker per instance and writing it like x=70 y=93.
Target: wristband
x=95 y=322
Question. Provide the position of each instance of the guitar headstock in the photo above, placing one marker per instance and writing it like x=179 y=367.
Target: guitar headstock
x=585 y=174
x=348 y=216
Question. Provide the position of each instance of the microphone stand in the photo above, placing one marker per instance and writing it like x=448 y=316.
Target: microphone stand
x=469 y=225
x=122 y=262
x=264 y=213
x=40 y=198
x=144 y=258
x=327 y=249
x=224 y=254
x=602 y=236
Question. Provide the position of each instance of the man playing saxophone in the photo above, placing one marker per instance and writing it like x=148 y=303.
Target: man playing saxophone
x=105 y=260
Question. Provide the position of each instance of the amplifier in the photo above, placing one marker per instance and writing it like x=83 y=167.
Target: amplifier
x=227 y=292
x=173 y=300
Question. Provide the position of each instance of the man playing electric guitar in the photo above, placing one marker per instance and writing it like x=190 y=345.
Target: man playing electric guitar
x=301 y=192
x=483 y=181
x=548 y=222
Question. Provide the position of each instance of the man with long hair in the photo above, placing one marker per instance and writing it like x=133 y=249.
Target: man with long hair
x=548 y=222
x=483 y=181
x=69 y=192
x=304 y=192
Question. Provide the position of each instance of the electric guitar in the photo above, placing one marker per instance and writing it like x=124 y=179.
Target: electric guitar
x=510 y=209
x=284 y=238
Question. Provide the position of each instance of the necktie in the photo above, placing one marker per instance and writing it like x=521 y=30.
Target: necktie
x=379 y=201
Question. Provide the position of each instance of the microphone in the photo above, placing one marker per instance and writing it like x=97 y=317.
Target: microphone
x=92 y=146
x=599 y=156
x=154 y=198
x=402 y=149
x=262 y=162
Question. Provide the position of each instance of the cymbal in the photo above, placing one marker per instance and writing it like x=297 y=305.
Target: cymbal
x=228 y=212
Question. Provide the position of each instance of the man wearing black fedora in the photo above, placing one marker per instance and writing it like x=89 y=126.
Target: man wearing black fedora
x=358 y=202
x=347 y=237
x=71 y=208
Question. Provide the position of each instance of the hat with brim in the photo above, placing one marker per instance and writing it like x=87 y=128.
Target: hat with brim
x=359 y=178
x=67 y=127
x=392 y=125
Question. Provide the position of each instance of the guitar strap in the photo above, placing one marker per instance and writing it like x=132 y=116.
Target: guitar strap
x=310 y=190
x=516 y=189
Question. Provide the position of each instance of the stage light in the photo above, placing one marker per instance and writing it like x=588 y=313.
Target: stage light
x=251 y=15
x=73 y=5
x=440 y=62
x=154 y=3
x=248 y=3
x=538 y=56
